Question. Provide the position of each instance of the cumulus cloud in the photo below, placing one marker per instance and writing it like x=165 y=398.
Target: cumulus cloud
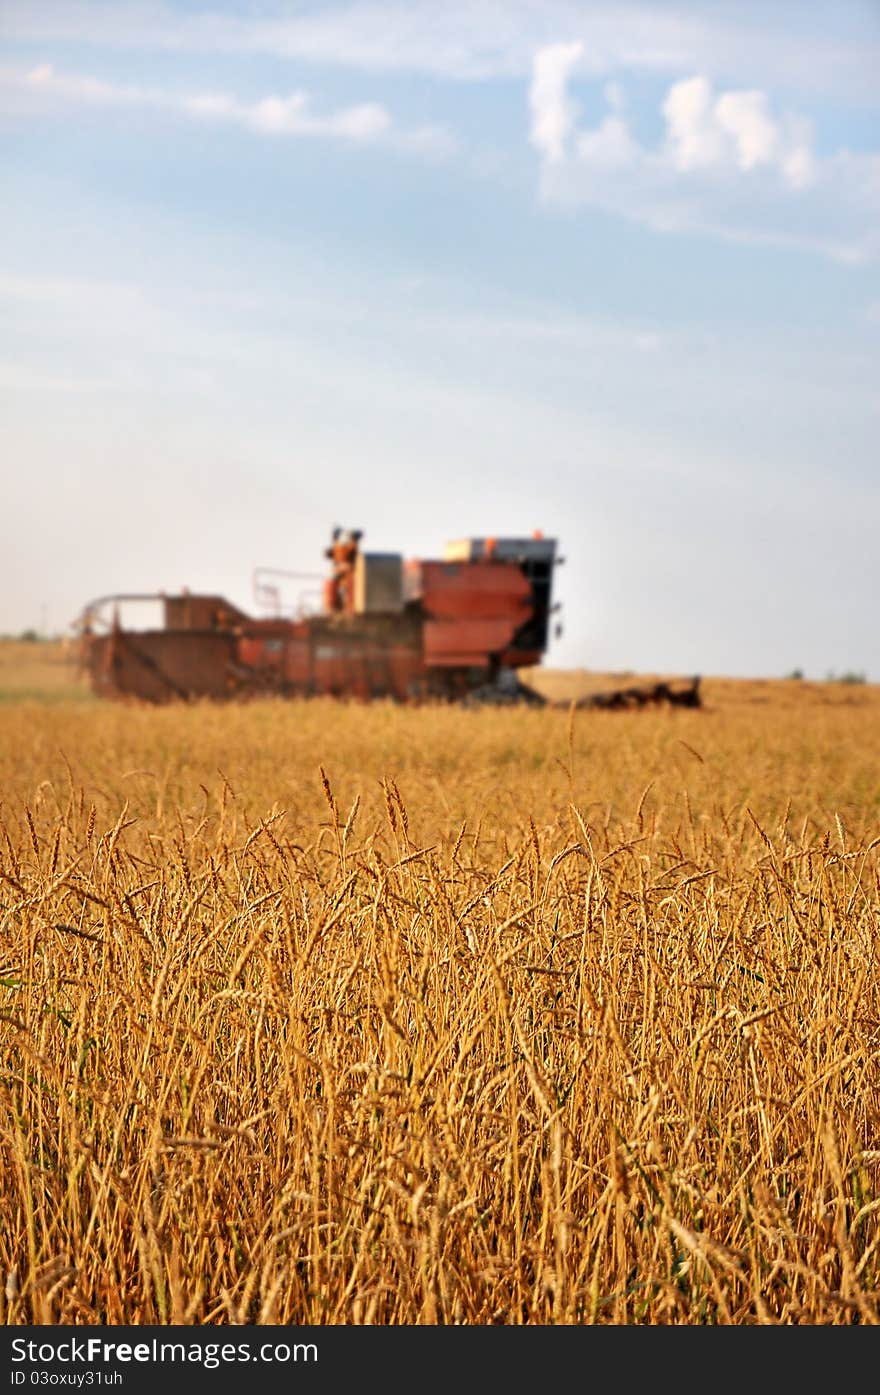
x=693 y=139
x=727 y=164
x=745 y=117
x=553 y=114
x=737 y=127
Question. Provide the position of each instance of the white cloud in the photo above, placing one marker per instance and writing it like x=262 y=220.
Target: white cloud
x=609 y=145
x=694 y=139
x=45 y=81
x=727 y=165
x=362 y=123
x=553 y=114
x=277 y=115
x=272 y=116
x=739 y=127
x=745 y=116
x=497 y=38
x=799 y=166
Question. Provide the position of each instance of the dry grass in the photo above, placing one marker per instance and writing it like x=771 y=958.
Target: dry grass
x=42 y=671
x=509 y=1017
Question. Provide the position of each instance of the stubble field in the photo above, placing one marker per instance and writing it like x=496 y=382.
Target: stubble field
x=323 y=1013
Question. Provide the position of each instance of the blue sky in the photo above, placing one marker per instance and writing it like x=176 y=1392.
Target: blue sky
x=610 y=271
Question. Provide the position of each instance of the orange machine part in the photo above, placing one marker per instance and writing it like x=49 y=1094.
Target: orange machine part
x=160 y=665
x=364 y=670
x=466 y=643
x=344 y=664
x=473 y=611
x=520 y=658
x=474 y=591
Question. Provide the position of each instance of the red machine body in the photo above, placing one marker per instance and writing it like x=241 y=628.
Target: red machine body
x=387 y=627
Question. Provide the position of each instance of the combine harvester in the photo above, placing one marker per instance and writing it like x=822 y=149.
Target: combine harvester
x=458 y=628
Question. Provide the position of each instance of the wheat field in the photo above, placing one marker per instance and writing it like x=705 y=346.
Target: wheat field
x=324 y=1013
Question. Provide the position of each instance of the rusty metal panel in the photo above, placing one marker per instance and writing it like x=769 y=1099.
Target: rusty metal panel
x=351 y=666
x=475 y=590
x=517 y=657
x=466 y=641
x=160 y=665
x=196 y=612
x=298 y=664
x=406 y=668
